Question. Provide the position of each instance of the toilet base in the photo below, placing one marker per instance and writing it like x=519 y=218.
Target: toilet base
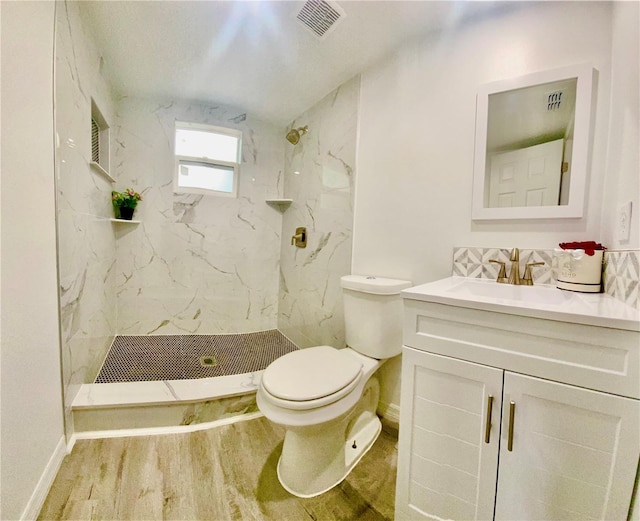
x=315 y=459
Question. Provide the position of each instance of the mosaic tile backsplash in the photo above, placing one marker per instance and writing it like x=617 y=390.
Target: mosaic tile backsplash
x=621 y=275
x=474 y=263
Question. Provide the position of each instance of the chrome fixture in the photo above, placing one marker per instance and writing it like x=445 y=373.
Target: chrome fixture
x=293 y=136
x=514 y=272
x=300 y=237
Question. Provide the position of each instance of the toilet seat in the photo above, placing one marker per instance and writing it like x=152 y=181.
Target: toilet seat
x=311 y=377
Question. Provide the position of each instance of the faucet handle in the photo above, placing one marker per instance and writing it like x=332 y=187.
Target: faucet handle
x=502 y=274
x=300 y=237
x=527 y=279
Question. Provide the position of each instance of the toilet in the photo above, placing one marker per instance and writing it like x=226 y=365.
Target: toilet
x=326 y=398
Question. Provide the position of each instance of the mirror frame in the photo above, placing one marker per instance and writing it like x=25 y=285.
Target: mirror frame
x=586 y=76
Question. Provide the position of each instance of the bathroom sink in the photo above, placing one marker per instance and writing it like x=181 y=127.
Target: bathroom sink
x=540 y=301
x=533 y=294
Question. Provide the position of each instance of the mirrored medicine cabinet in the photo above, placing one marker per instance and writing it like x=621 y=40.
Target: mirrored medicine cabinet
x=532 y=145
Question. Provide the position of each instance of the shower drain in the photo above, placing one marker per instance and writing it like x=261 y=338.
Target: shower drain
x=208 y=361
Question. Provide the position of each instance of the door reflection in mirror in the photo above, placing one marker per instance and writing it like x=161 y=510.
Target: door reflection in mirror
x=532 y=144
x=529 y=144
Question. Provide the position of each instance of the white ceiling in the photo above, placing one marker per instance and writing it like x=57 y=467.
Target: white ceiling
x=519 y=118
x=255 y=55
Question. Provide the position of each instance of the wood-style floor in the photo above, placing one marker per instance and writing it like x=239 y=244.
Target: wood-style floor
x=224 y=473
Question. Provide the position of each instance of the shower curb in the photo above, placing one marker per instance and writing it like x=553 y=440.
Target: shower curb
x=166 y=403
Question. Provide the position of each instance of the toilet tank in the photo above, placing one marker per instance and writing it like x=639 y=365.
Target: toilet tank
x=373 y=314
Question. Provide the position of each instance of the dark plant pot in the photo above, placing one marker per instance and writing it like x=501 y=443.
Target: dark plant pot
x=126 y=213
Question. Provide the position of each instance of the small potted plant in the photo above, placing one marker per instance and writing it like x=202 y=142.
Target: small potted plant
x=124 y=203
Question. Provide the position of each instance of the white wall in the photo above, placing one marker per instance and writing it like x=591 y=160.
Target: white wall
x=415 y=152
x=31 y=406
x=623 y=156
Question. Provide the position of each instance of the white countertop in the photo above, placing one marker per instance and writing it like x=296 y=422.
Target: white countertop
x=539 y=301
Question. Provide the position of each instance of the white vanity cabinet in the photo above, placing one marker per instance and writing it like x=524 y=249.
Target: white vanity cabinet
x=446 y=470
x=500 y=419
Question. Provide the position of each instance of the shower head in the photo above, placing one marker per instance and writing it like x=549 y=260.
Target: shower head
x=293 y=136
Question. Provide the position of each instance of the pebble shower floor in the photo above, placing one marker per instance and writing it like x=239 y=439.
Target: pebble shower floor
x=181 y=357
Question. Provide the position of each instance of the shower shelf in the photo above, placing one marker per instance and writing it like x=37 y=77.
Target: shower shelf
x=281 y=204
x=124 y=221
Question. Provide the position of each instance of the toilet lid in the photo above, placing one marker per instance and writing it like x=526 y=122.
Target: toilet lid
x=309 y=374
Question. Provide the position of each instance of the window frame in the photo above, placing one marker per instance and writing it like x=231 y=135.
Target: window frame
x=235 y=165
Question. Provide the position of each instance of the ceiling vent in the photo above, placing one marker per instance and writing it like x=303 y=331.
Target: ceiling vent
x=554 y=100
x=320 y=17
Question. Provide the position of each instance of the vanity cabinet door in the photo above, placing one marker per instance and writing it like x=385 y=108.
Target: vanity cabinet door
x=447 y=459
x=574 y=452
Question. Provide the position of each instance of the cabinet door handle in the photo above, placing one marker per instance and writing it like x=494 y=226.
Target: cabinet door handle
x=512 y=417
x=487 y=425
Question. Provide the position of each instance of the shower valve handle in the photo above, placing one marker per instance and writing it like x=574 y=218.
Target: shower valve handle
x=300 y=237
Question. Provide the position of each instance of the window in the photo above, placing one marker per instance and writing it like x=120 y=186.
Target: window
x=207 y=159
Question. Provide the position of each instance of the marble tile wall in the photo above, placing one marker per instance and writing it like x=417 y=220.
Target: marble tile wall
x=621 y=274
x=319 y=177
x=86 y=240
x=196 y=264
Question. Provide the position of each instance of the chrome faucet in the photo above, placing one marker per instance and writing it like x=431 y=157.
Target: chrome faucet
x=514 y=271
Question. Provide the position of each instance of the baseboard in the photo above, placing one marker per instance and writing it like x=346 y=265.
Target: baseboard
x=389 y=411
x=41 y=491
